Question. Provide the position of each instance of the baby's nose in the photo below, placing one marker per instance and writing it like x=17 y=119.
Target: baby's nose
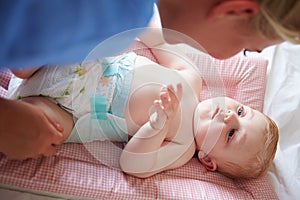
x=229 y=116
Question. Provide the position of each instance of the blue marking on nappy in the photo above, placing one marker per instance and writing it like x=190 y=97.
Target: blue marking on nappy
x=98 y=107
x=109 y=68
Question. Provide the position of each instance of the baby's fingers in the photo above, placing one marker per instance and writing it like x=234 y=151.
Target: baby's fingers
x=174 y=96
x=179 y=91
x=157 y=116
x=165 y=98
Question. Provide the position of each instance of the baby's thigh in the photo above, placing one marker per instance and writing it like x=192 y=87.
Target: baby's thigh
x=54 y=112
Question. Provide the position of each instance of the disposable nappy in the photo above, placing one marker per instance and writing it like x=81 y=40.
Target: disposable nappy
x=105 y=120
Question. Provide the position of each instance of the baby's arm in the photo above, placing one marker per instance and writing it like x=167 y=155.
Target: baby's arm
x=166 y=54
x=147 y=152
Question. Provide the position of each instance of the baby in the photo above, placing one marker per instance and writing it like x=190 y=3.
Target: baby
x=130 y=98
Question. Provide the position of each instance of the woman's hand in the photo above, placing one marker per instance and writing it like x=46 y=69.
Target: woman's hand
x=26 y=131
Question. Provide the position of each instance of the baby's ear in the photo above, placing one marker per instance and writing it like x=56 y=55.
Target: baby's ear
x=208 y=163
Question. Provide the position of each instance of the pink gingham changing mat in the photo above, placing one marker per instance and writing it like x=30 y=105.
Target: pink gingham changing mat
x=74 y=173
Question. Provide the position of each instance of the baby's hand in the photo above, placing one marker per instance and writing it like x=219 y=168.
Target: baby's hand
x=166 y=107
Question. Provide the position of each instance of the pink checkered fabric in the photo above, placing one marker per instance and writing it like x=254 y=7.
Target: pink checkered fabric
x=141 y=49
x=75 y=173
x=244 y=79
x=5 y=75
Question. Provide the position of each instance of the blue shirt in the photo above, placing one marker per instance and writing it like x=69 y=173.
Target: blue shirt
x=38 y=32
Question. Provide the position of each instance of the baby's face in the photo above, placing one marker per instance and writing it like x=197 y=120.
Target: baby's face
x=229 y=131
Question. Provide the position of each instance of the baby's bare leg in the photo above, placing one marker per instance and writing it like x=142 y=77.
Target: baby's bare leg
x=54 y=112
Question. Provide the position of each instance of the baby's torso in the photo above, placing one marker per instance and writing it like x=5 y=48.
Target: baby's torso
x=148 y=80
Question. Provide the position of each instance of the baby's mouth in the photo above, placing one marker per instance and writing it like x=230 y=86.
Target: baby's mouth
x=217 y=109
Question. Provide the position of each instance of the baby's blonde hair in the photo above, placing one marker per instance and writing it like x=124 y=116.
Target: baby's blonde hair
x=259 y=164
x=278 y=19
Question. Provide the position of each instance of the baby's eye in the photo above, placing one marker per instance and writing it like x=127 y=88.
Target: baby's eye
x=240 y=111
x=230 y=134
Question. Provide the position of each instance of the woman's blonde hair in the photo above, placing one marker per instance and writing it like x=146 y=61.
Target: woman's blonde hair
x=259 y=164
x=278 y=19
